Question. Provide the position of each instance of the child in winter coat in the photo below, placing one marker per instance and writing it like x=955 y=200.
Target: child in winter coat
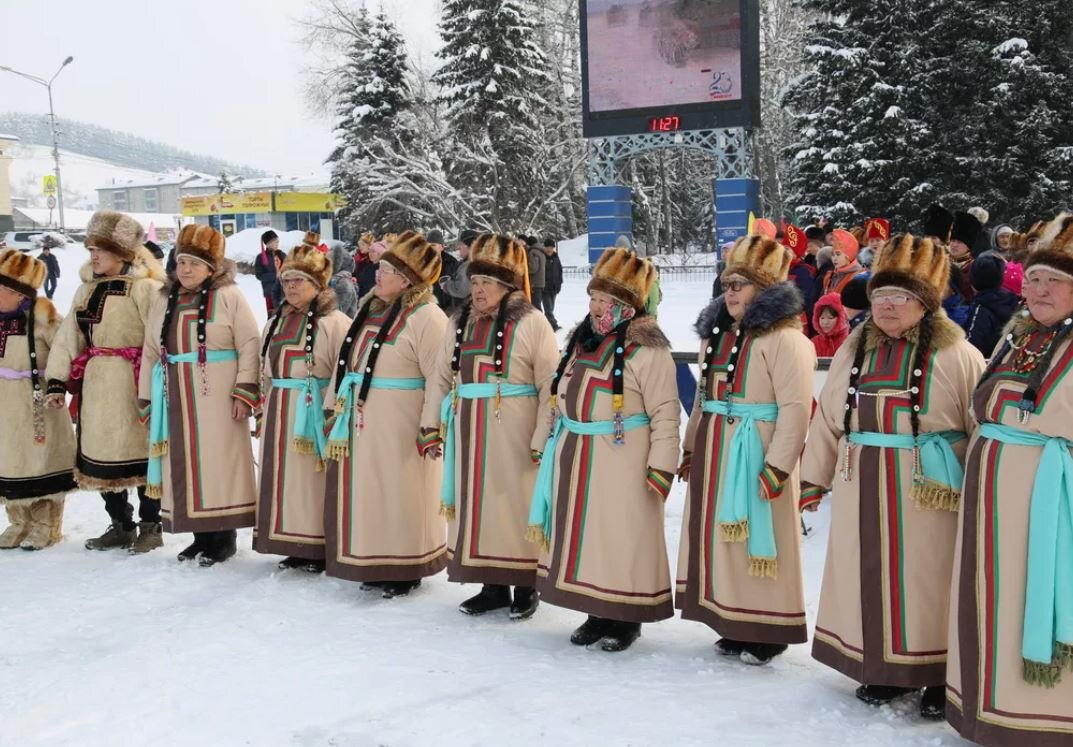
x=992 y=305
x=829 y=321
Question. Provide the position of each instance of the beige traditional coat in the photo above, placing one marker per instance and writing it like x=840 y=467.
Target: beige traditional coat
x=108 y=313
x=608 y=553
x=989 y=700
x=775 y=364
x=494 y=468
x=209 y=480
x=31 y=469
x=290 y=503
x=883 y=605
x=382 y=509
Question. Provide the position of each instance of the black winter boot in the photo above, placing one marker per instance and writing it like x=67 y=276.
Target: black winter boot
x=492 y=597
x=221 y=546
x=291 y=563
x=526 y=601
x=620 y=636
x=729 y=647
x=195 y=548
x=372 y=585
x=759 y=654
x=394 y=589
x=933 y=703
x=590 y=631
x=877 y=695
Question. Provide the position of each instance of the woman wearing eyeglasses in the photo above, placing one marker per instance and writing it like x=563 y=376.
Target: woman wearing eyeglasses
x=382 y=516
x=298 y=357
x=739 y=561
x=1010 y=674
x=888 y=440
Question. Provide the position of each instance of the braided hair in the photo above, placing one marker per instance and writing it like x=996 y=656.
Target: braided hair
x=169 y=313
x=374 y=354
x=724 y=322
x=309 y=337
x=498 y=326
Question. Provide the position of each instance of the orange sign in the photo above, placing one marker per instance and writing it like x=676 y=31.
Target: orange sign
x=247 y=202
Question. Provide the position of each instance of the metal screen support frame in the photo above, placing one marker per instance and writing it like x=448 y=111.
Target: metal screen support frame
x=732 y=149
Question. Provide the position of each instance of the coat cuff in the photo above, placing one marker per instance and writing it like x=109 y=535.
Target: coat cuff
x=771 y=482
x=248 y=394
x=811 y=495
x=660 y=481
x=144 y=409
x=427 y=440
x=55 y=386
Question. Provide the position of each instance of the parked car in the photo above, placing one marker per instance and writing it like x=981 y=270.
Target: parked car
x=24 y=241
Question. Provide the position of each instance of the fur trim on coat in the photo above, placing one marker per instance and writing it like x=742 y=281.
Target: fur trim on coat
x=776 y=307
x=944 y=333
x=224 y=276
x=517 y=307
x=411 y=298
x=145 y=265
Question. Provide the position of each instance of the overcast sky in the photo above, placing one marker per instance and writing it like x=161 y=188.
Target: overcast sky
x=218 y=77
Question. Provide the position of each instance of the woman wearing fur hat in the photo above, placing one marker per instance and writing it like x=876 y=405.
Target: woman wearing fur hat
x=599 y=498
x=1010 y=671
x=383 y=524
x=486 y=409
x=37 y=448
x=888 y=440
x=199 y=385
x=298 y=358
x=739 y=562
x=97 y=355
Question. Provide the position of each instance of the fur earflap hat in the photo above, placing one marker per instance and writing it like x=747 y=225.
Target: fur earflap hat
x=1055 y=250
x=919 y=266
x=967 y=228
x=623 y=275
x=203 y=243
x=760 y=260
x=501 y=258
x=312 y=238
x=21 y=272
x=116 y=233
x=308 y=262
x=938 y=222
x=413 y=256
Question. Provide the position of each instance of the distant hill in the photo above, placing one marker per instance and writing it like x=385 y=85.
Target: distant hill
x=119 y=148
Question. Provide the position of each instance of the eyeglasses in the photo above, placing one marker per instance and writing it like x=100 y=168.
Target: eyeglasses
x=737 y=285
x=385 y=269
x=894 y=299
x=292 y=282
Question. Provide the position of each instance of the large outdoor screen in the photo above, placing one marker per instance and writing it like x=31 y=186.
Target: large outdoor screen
x=665 y=65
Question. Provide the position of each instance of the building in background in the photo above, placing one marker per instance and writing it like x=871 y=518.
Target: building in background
x=159 y=194
x=7 y=221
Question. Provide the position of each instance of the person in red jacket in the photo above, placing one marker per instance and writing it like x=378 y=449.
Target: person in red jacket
x=829 y=321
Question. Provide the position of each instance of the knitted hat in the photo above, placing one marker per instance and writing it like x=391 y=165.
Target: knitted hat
x=116 y=233
x=203 y=243
x=623 y=275
x=855 y=294
x=987 y=271
x=919 y=266
x=765 y=228
x=763 y=261
x=435 y=236
x=815 y=233
x=309 y=262
x=21 y=272
x=312 y=239
x=794 y=239
x=966 y=229
x=415 y=258
x=502 y=258
x=1055 y=251
x=876 y=228
x=845 y=242
x=938 y=222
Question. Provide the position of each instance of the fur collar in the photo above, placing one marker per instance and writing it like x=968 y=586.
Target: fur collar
x=224 y=276
x=411 y=298
x=517 y=307
x=45 y=311
x=326 y=303
x=644 y=331
x=1021 y=323
x=776 y=307
x=944 y=333
x=145 y=265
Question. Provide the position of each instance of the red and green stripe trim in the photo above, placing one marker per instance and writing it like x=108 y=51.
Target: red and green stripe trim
x=248 y=394
x=810 y=495
x=771 y=482
x=659 y=481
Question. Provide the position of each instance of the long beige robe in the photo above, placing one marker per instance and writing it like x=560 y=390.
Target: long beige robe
x=989 y=701
x=494 y=469
x=886 y=583
x=775 y=364
x=290 y=501
x=29 y=469
x=108 y=312
x=209 y=482
x=608 y=553
x=382 y=509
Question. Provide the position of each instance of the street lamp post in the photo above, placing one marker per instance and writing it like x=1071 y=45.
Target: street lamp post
x=52 y=122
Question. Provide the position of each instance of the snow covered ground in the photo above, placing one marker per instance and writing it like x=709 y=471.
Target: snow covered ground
x=108 y=649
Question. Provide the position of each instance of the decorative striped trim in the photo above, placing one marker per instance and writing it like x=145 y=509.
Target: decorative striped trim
x=143 y=413
x=55 y=386
x=660 y=481
x=535 y=456
x=771 y=482
x=427 y=439
x=810 y=495
x=248 y=394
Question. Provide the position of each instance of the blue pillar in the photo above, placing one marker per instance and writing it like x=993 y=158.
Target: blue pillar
x=734 y=200
x=610 y=216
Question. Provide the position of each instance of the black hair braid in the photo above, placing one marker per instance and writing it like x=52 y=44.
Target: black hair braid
x=311 y=332
x=1035 y=379
x=723 y=322
x=584 y=328
x=854 y=381
x=378 y=343
x=349 y=340
x=460 y=336
x=925 y=334
x=618 y=373
x=272 y=326
x=497 y=334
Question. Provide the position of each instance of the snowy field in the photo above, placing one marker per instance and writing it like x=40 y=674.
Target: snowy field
x=108 y=649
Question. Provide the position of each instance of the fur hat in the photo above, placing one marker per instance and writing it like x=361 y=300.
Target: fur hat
x=794 y=239
x=855 y=294
x=938 y=222
x=1055 y=251
x=919 y=266
x=858 y=233
x=876 y=228
x=980 y=214
x=622 y=274
x=21 y=272
x=312 y=238
x=203 y=243
x=763 y=261
x=502 y=258
x=845 y=242
x=116 y=233
x=308 y=261
x=815 y=233
x=414 y=257
x=967 y=228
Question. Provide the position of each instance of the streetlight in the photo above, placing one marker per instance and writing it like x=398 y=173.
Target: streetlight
x=52 y=119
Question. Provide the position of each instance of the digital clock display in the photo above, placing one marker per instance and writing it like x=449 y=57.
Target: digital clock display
x=665 y=124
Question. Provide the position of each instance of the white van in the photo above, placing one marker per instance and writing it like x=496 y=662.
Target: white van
x=24 y=241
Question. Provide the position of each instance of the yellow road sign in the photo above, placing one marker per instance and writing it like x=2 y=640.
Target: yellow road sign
x=48 y=184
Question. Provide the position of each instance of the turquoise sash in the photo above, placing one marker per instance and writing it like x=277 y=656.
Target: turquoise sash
x=540 y=508
x=1047 y=639
x=940 y=471
x=743 y=514
x=309 y=437
x=447 y=420
x=158 y=413
x=339 y=440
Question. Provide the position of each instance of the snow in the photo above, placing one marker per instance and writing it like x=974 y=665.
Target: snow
x=77 y=220
x=105 y=644
x=244 y=246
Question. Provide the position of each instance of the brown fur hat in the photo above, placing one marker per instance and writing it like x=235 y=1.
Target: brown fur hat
x=308 y=262
x=1055 y=250
x=311 y=239
x=622 y=274
x=415 y=258
x=116 y=233
x=502 y=258
x=919 y=266
x=760 y=260
x=203 y=243
x=21 y=272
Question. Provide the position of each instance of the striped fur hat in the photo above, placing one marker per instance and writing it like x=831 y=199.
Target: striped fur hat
x=623 y=275
x=308 y=262
x=919 y=266
x=501 y=258
x=763 y=261
x=1055 y=250
x=415 y=258
x=21 y=272
x=116 y=233
x=203 y=243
